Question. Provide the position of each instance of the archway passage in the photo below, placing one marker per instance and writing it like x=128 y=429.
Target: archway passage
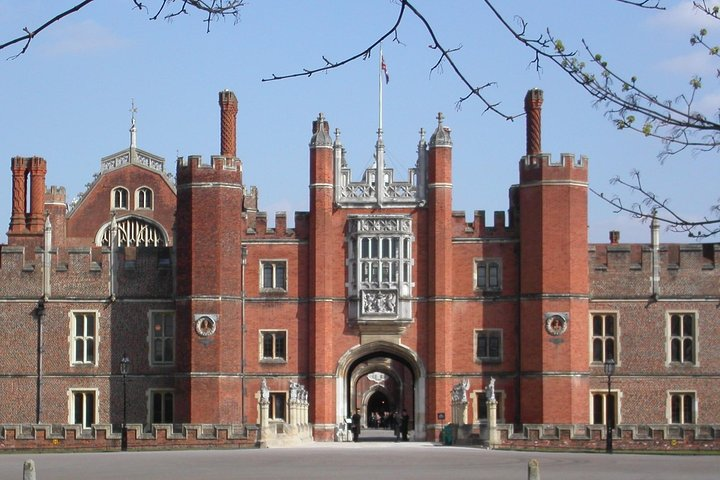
x=380 y=379
x=378 y=406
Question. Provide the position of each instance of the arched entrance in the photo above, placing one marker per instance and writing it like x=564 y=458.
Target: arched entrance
x=380 y=378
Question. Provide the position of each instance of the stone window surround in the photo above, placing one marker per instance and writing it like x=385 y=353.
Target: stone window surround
x=72 y=337
x=476 y=341
x=682 y=394
x=616 y=337
x=124 y=197
x=272 y=414
x=274 y=262
x=261 y=346
x=151 y=339
x=71 y=392
x=149 y=198
x=479 y=396
x=617 y=394
x=150 y=393
x=695 y=362
x=488 y=262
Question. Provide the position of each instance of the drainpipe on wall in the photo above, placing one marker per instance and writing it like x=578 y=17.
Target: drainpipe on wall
x=40 y=313
x=655 y=243
x=113 y=247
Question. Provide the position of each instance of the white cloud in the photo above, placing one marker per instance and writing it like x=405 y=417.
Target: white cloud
x=80 y=38
x=699 y=62
x=683 y=17
x=708 y=105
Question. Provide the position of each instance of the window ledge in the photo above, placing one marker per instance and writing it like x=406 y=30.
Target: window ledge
x=488 y=291
x=488 y=360
x=278 y=361
x=162 y=365
x=273 y=291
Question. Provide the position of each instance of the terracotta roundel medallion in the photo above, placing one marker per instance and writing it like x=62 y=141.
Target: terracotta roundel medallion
x=205 y=326
x=556 y=324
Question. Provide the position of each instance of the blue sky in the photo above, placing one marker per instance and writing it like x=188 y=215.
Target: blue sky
x=68 y=98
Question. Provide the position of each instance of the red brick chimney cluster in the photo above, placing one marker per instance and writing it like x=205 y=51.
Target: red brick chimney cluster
x=28 y=173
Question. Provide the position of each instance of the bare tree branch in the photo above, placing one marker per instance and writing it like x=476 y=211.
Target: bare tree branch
x=444 y=56
x=30 y=34
x=651 y=206
x=651 y=4
x=329 y=65
x=213 y=8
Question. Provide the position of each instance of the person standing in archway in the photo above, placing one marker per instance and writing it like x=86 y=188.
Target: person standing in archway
x=404 y=424
x=356 y=425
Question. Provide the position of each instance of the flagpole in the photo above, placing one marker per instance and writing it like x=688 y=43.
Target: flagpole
x=380 y=84
x=379 y=147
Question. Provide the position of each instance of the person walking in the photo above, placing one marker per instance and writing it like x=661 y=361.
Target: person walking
x=404 y=424
x=396 y=425
x=356 y=425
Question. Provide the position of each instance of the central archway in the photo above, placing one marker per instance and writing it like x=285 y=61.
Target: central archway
x=386 y=368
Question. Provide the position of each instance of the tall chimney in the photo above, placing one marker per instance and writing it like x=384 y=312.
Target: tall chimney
x=228 y=124
x=533 y=110
x=38 y=170
x=18 y=222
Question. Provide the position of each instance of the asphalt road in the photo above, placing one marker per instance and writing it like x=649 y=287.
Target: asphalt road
x=356 y=461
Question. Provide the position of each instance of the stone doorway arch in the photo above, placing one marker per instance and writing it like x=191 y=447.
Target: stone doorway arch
x=381 y=366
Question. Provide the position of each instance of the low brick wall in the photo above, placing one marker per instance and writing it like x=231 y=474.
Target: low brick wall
x=625 y=437
x=104 y=438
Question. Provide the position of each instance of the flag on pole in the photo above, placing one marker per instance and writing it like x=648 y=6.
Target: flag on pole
x=384 y=69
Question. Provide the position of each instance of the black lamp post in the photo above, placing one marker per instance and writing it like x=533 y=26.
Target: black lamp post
x=609 y=367
x=124 y=369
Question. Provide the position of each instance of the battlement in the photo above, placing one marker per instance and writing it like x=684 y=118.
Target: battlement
x=55 y=194
x=541 y=166
x=220 y=169
x=257 y=226
x=629 y=271
x=85 y=271
x=217 y=162
x=479 y=227
x=627 y=257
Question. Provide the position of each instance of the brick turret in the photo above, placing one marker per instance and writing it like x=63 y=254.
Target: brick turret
x=322 y=360
x=553 y=281
x=440 y=275
x=56 y=207
x=208 y=241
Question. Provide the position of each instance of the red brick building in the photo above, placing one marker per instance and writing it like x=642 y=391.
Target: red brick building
x=379 y=298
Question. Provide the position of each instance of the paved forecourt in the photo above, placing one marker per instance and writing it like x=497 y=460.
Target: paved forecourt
x=357 y=461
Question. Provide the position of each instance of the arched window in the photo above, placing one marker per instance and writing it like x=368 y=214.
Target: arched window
x=120 y=198
x=134 y=232
x=144 y=198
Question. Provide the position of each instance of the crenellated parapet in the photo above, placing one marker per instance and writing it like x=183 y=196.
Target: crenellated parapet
x=676 y=257
x=629 y=270
x=541 y=167
x=480 y=226
x=260 y=229
x=84 y=272
x=55 y=195
x=220 y=170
